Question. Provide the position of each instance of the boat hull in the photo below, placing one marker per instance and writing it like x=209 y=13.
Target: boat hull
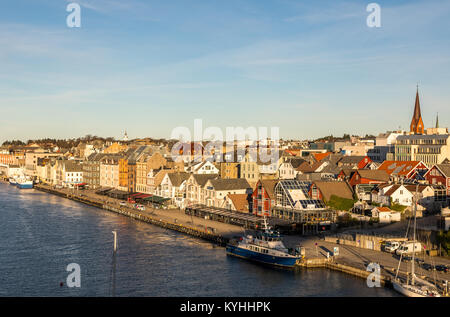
x=261 y=258
x=409 y=293
x=25 y=185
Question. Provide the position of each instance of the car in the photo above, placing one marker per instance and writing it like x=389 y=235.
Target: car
x=427 y=267
x=442 y=268
x=123 y=203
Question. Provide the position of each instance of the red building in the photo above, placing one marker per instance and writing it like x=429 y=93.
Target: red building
x=439 y=174
x=369 y=177
x=263 y=197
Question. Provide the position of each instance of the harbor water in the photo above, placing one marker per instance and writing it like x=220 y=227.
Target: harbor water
x=41 y=234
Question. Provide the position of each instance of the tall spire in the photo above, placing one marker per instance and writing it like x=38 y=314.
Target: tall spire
x=437 y=120
x=417 y=122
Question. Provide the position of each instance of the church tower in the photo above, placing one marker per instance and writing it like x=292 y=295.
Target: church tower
x=416 y=126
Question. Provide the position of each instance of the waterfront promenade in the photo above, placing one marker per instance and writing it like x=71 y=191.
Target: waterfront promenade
x=354 y=260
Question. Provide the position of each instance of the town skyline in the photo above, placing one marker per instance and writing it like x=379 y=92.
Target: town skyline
x=312 y=70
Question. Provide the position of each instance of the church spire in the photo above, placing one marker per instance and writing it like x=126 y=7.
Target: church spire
x=417 y=122
x=437 y=120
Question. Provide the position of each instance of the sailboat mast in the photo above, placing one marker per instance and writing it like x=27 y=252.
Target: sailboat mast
x=414 y=236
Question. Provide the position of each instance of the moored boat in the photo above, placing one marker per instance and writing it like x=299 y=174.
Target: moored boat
x=24 y=183
x=265 y=247
x=415 y=286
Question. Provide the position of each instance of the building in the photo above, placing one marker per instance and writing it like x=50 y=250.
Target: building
x=238 y=202
x=430 y=149
x=416 y=126
x=173 y=186
x=439 y=174
x=230 y=170
x=216 y=190
x=324 y=190
x=91 y=170
x=69 y=173
x=195 y=188
x=292 y=203
x=109 y=171
x=368 y=177
x=355 y=162
x=386 y=215
x=263 y=197
x=398 y=170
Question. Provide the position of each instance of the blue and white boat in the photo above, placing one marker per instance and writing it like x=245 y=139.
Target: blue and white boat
x=265 y=247
x=24 y=183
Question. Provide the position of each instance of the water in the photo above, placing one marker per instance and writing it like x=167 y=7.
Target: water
x=40 y=234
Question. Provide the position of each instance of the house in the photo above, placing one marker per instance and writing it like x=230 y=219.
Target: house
x=354 y=162
x=205 y=167
x=263 y=197
x=229 y=170
x=216 y=190
x=368 y=177
x=69 y=173
x=402 y=169
x=195 y=188
x=439 y=174
x=386 y=215
x=173 y=186
x=238 y=202
x=109 y=171
x=397 y=194
x=91 y=169
x=288 y=168
x=323 y=190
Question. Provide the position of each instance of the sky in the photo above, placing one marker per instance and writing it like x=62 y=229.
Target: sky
x=311 y=68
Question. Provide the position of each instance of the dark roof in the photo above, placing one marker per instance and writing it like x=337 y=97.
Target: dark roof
x=230 y=184
x=350 y=159
x=269 y=186
x=339 y=189
x=201 y=179
x=444 y=168
x=379 y=175
x=178 y=178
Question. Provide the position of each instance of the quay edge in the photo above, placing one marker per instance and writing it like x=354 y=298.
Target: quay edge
x=214 y=238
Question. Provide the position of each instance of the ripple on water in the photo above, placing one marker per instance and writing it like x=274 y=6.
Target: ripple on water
x=42 y=233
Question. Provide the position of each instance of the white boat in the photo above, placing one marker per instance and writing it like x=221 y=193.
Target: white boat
x=414 y=286
x=24 y=183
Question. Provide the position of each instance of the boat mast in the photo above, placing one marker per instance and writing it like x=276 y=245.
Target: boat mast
x=414 y=236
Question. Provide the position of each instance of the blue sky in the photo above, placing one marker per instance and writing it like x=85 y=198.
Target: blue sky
x=312 y=68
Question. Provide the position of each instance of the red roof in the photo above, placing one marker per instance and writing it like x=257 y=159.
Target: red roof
x=320 y=156
x=400 y=168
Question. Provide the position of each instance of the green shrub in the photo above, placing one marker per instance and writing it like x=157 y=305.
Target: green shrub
x=340 y=203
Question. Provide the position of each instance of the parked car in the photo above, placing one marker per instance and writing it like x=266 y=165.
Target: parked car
x=123 y=203
x=391 y=246
x=442 y=268
x=427 y=267
x=140 y=207
x=409 y=248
